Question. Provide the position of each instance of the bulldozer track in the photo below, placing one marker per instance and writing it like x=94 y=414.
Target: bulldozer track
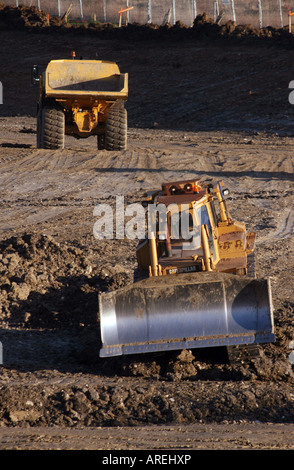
x=243 y=354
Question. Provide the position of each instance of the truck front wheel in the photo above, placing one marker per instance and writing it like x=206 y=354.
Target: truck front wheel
x=50 y=128
x=116 y=127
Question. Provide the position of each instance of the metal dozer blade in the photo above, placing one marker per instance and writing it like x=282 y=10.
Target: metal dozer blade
x=185 y=312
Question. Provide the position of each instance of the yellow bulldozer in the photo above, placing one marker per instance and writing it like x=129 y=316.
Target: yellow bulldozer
x=81 y=98
x=195 y=285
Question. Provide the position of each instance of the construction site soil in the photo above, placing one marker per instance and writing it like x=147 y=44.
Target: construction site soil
x=208 y=102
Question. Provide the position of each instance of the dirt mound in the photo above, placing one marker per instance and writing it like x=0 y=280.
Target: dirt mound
x=204 y=27
x=118 y=405
x=49 y=321
x=97 y=400
x=22 y=17
x=53 y=286
x=45 y=284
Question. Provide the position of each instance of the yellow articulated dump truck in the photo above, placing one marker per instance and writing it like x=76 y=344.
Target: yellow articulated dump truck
x=195 y=285
x=81 y=98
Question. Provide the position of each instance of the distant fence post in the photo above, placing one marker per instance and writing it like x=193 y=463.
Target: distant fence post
x=192 y=6
x=260 y=13
x=128 y=13
x=174 y=11
x=215 y=10
x=104 y=10
x=193 y=11
x=233 y=11
x=149 y=12
x=281 y=13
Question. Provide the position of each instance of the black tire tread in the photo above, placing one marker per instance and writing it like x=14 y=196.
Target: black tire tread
x=116 y=127
x=52 y=128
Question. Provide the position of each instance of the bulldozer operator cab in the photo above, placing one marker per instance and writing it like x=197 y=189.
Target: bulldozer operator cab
x=186 y=229
x=186 y=239
x=190 y=216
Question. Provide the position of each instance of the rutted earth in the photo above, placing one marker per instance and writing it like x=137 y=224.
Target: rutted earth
x=196 y=109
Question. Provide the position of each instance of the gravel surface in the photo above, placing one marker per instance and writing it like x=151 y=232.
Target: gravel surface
x=197 y=108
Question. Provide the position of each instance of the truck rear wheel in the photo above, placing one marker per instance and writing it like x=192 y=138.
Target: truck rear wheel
x=116 y=127
x=51 y=127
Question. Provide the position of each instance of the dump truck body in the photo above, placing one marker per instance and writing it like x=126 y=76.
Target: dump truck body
x=82 y=98
x=195 y=290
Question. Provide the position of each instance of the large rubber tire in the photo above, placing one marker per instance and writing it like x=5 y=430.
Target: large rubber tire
x=116 y=127
x=52 y=127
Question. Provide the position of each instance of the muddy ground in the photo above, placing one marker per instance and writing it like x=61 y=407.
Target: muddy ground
x=198 y=107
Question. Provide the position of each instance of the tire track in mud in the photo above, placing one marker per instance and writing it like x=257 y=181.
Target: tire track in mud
x=45 y=184
x=32 y=186
x=182 y=438
x=87 y=175
x=285 y=227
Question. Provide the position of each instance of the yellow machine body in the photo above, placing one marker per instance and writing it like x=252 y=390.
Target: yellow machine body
x=223 y=243
x=192 y=291
x=81 y=98
x=85 y=89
